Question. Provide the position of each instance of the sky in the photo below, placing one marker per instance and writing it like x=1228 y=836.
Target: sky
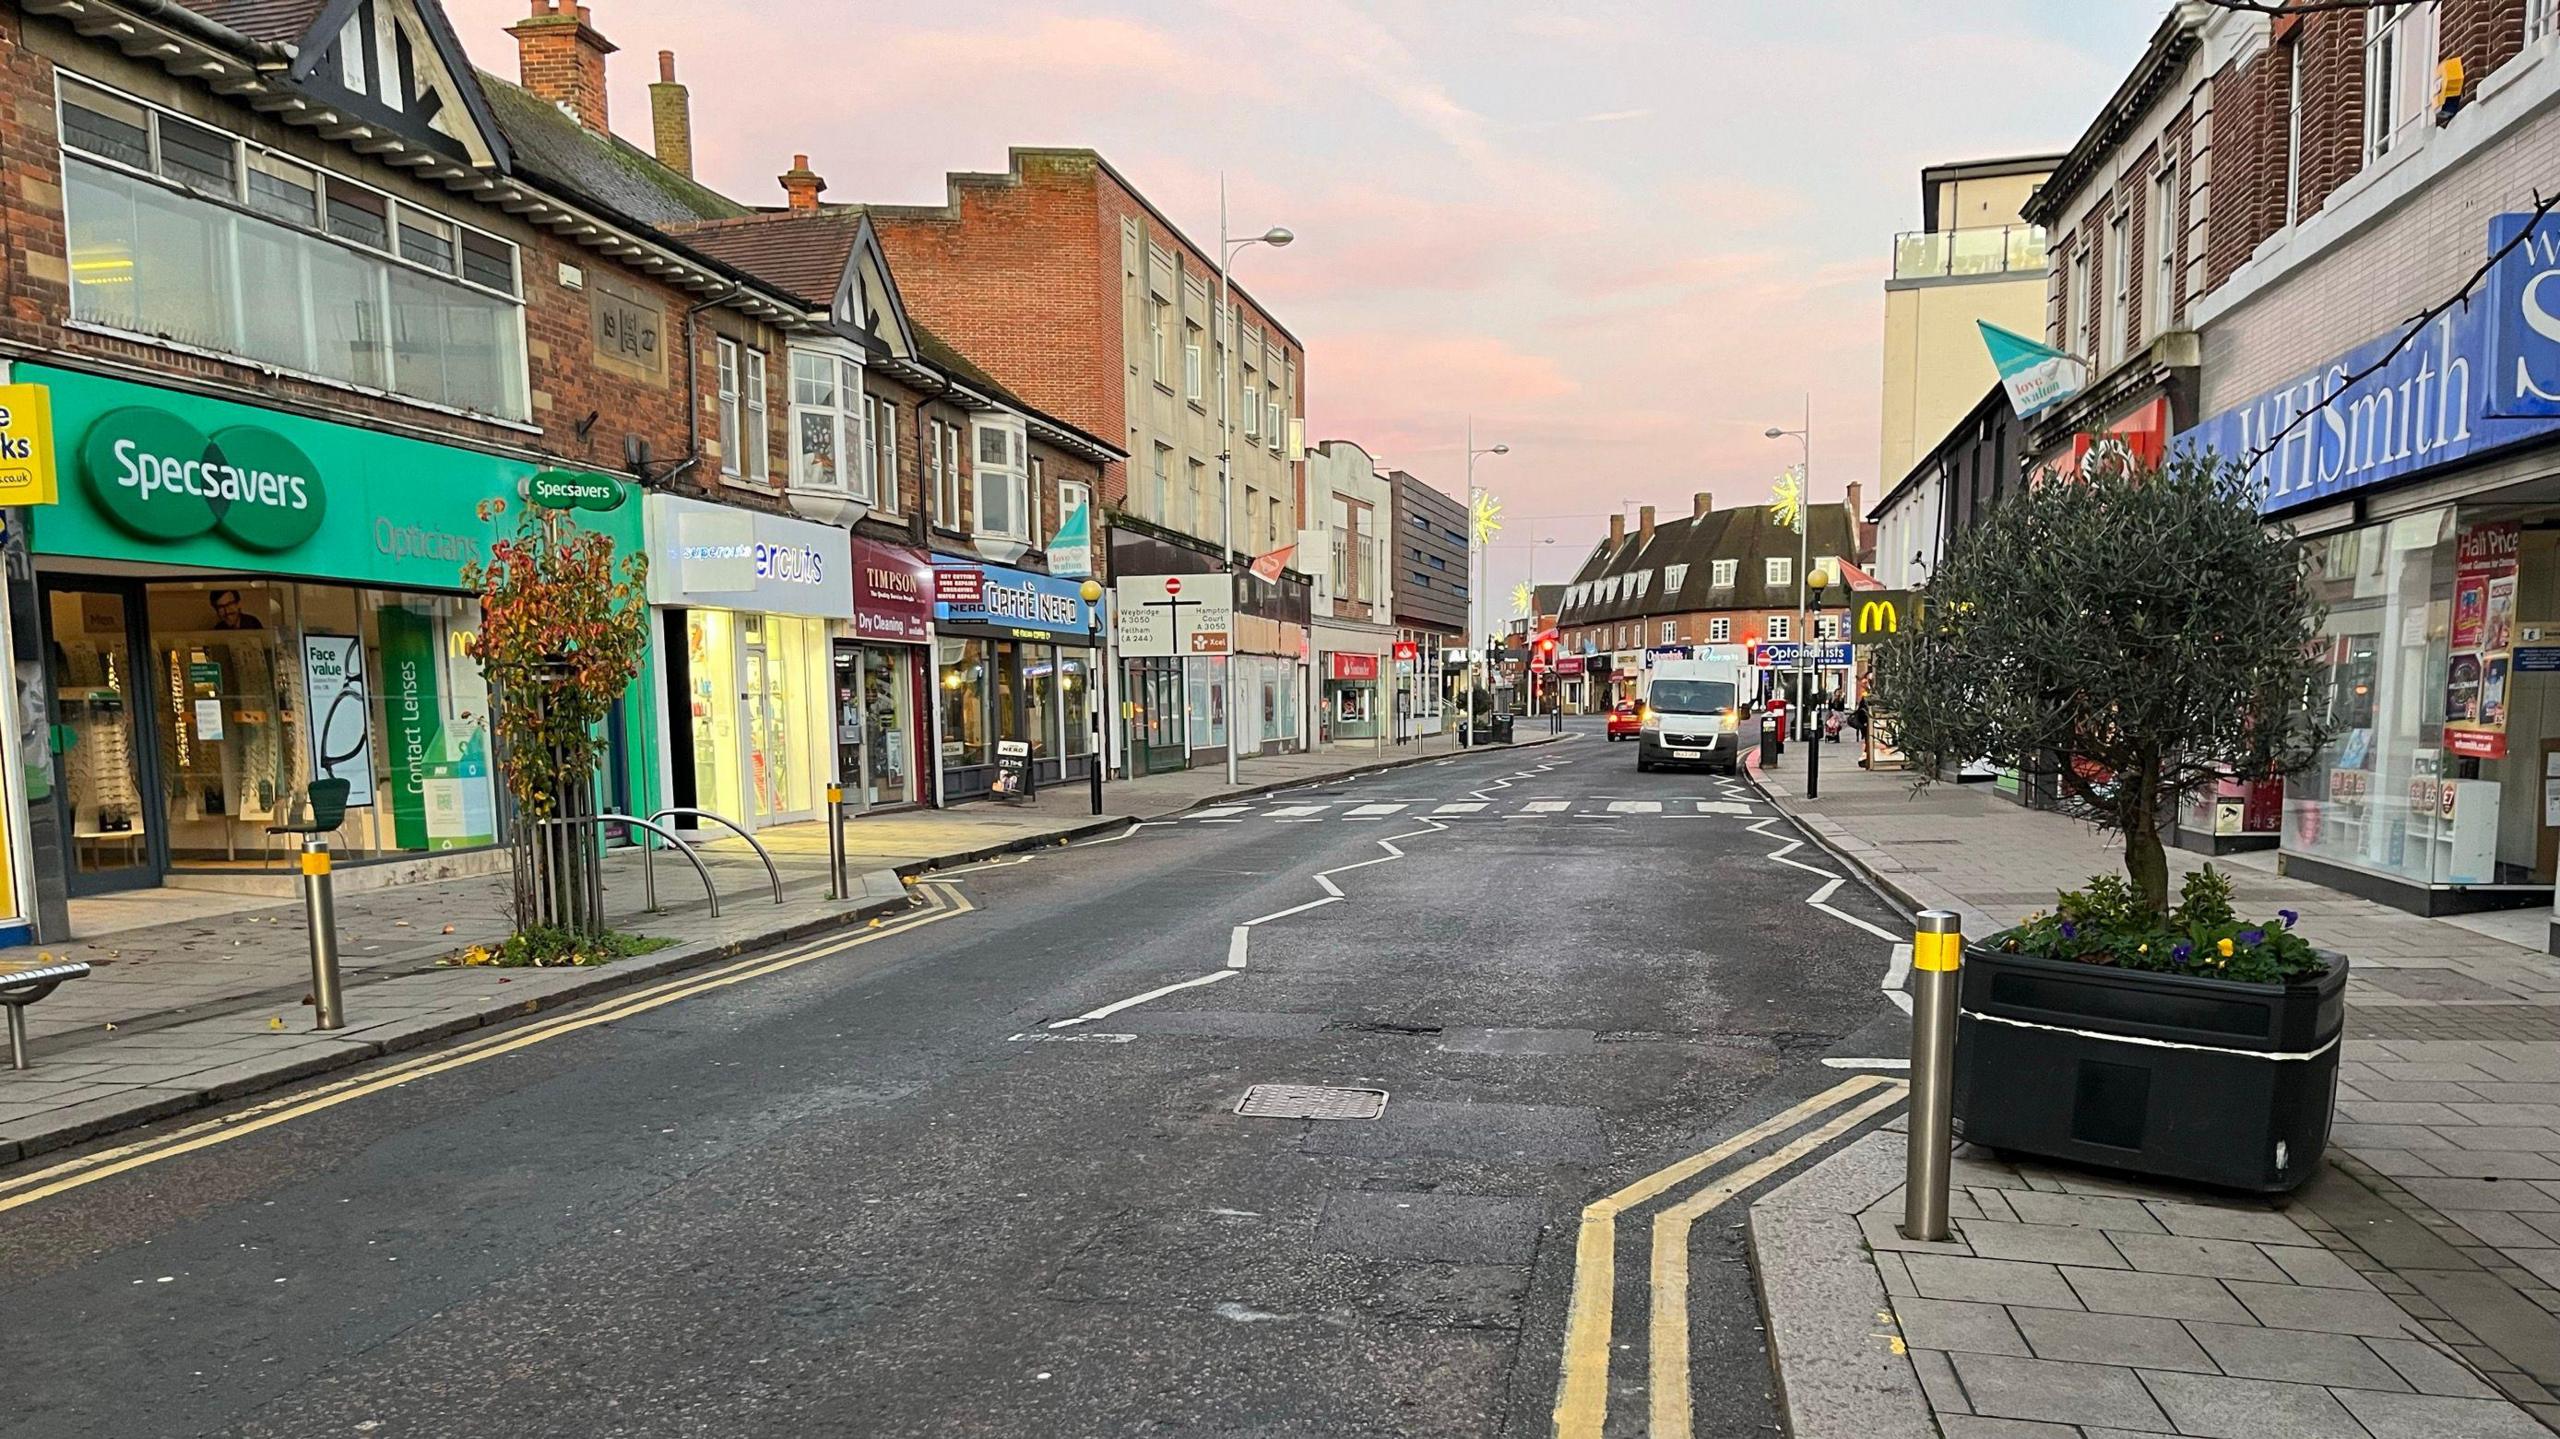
x=1625 y=237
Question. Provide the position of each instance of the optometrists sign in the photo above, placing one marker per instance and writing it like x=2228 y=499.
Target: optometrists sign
x=338 y=718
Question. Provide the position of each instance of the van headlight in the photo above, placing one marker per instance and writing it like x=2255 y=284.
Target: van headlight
x=1725 y=722
x=1647 y=719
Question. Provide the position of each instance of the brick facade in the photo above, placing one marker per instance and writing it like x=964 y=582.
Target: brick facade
x=561 y=58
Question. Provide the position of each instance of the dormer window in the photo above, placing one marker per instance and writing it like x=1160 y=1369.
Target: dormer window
x=1721 y=577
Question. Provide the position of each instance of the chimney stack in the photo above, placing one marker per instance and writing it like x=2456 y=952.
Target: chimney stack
x=1644 y=523
x=802 y=184
x=1617 y=529
x=1857 y=511
x=671 y=117
x=561 y=58
x=1702 y=505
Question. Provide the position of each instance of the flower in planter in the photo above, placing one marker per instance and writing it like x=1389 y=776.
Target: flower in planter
x=2180 y=953
x=2290 y=917
x=2070 y=930
x=2223 y=946
x=2253 y=937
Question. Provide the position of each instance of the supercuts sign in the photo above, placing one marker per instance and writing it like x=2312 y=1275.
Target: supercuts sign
x=2480 y=376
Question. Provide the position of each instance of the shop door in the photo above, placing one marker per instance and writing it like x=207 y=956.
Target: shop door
x=774 y=655
x=888 y=728
x=1156 y=731
x=104 y=767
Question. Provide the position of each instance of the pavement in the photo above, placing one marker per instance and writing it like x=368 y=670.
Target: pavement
x=1011 y=1164
x=2407 y=1290
x=207 y=1000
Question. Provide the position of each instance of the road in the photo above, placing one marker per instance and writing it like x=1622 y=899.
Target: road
x=902 y=1188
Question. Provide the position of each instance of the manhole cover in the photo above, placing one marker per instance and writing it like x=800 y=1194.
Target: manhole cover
x=1311 y=1101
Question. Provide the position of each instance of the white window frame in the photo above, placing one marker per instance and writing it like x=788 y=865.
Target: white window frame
x=247 y=156
x=1160 y=339
x=1826 y=627
x=1191 y=366
x=1009 y=472
x=1273 y=432
x=2160 y=304
x=1782 y=628
x=2293 y=132
x=1723 y=574
x=851 y=421
x=1720 y=631
x=1777 y=572
x=2383 y=68
x=2084 y=303
x=1071 y=495
x=1164 y=484
x=1667 y=628
x=1673 y=576
x=757 y=435
x=2113 y=324
x=1251 y=411
x=1035 y=491
x=942 y=469
x=732 y=421
x=2540 y=18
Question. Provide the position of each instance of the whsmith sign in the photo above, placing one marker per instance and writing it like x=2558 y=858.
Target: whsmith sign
x=2480 y=376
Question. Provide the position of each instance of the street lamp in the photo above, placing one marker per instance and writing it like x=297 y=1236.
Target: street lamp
x=1228 y=247
x=1804 y=542
x=1098 y=693
x=1475 y=595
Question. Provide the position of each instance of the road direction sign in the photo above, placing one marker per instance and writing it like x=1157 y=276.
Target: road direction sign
x=1167 y=616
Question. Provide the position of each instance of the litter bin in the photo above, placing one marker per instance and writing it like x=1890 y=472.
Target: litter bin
x=1769 y=742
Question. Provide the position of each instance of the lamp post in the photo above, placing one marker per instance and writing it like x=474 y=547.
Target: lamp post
x=1228 y=246
x=1475 y=595
x=1804 y=543
x=1098 y=699
x=1820 y=580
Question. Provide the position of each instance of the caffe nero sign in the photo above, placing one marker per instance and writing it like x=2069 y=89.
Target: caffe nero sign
x=2479 y=377
x=161 y=477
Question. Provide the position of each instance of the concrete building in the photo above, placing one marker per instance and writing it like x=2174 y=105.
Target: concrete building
x=1973 y=258
x=1429 y=594
x=1347 y=548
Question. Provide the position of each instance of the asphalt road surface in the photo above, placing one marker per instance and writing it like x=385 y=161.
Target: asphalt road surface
x=908 y=1188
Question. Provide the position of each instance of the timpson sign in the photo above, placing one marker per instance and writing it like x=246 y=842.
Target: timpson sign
x=892 y=593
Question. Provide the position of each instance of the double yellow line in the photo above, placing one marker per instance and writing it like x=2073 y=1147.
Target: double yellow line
x=940 y=903
x=1582 y=1392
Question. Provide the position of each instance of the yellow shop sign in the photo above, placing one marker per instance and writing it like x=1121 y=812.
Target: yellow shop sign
x=26 y=445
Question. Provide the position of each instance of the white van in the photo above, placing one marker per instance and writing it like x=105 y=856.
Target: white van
x=1692 y=713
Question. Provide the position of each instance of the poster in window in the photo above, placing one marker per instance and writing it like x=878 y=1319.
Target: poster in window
x=2484 y=609
x=341 y=723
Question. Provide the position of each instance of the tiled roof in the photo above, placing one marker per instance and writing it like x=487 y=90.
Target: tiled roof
x=606 y=169
x=1747 y=535
x=278 y=20
x=804 y=253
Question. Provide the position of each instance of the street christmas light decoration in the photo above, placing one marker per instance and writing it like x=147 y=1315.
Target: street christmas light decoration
x=1786 y=501
x=1487 y=515
x=1524 y=598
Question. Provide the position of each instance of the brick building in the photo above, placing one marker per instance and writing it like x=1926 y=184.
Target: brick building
x=1718 y=577
x=1430 y=591
x=1076 y=292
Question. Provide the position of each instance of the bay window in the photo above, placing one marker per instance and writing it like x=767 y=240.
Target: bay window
x=831 y=445
x=1003 y=508
x=192 y=236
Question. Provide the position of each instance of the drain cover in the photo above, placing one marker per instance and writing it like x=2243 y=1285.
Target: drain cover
x=1311 y=1101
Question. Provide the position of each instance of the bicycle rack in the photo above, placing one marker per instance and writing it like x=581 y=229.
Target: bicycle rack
x=734 y=828
x=648 y=874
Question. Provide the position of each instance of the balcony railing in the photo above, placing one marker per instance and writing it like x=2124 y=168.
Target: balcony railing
x=1990 y=250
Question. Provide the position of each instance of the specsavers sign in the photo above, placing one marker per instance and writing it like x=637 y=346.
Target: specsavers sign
x=162 y=477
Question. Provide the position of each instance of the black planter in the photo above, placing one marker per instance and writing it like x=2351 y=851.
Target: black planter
x=2069 y=1074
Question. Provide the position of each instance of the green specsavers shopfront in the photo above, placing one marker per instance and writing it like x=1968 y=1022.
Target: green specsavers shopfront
x=235 y=602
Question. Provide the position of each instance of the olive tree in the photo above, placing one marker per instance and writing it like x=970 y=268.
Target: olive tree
x=2138 y=631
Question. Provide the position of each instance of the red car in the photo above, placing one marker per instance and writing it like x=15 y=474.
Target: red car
x=1625 y=720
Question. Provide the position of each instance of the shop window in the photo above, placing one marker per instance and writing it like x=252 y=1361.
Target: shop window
x=1075 y=701
x=188 y=235
x=965 y=684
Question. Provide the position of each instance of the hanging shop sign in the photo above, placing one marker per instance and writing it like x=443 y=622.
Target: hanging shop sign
x=1021 y=604
x=155 y=476
x=2476 y=378
x=573 y=490
x=26 y=445
x=1167 y=616
x=2484 y=628
x=892 y=593
x=1071 y=548
x=723 y=557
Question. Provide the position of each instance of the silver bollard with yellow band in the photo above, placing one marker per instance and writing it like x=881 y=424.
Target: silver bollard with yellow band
x=320 y=916
x=1937 y=963
x=835 y=842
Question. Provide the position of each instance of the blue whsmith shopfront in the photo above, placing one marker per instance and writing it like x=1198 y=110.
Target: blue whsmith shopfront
x=2427 y=484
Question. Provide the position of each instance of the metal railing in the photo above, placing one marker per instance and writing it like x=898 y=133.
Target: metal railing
x=1985 y=250
x=648 y=877
x=726 y=823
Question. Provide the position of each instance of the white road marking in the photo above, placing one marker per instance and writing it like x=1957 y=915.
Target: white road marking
x=1550 y=806
x=1469 y=806
x=1719 y=806
x=1216 y=811
x=1292 y=811
x=1293 y=909
x=1899 y=968
x=1636 y=806
x=1237 y=938
x=1879 y=931
x=1372 y=811
x=1036 y=1037
x=1134 y=1000
x=1867 y=1063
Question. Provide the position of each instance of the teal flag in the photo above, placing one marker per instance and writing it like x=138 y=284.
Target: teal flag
x=2036 y=375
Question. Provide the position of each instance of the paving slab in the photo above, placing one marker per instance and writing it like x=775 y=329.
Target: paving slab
x=2221 y=1407
x=2010 y=1388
